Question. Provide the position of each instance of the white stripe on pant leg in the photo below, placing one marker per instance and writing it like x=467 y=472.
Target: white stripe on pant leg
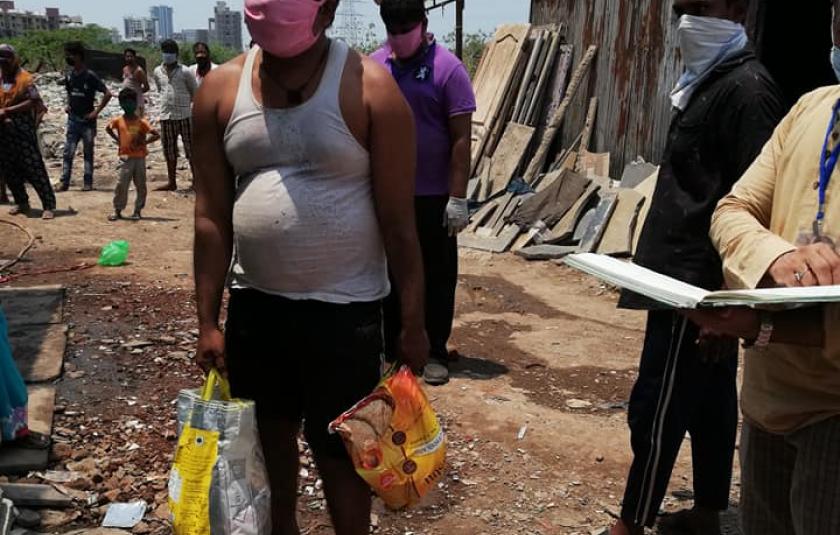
x=665 y=396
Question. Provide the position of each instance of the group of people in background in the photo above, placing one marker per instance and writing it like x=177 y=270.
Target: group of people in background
x=330 y=187
x=22 y=110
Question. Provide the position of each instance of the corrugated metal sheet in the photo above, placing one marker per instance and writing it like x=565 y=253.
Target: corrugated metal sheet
x=636 y=67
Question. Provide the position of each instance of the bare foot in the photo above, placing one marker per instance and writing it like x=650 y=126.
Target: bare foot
x=47 y=215
x=168 y=187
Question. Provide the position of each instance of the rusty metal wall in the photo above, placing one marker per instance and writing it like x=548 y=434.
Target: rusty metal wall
x=636 y=67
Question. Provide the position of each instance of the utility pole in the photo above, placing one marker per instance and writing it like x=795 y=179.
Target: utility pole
x=459 y=21
x=459 y=28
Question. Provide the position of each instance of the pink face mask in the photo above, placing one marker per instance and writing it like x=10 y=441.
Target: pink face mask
x=407 y=44
x=283 y=28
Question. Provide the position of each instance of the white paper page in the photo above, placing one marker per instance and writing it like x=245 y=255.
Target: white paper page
x=641 y=280
x=775 y=296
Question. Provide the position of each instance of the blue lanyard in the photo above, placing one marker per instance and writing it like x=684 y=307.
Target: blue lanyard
x=828 y=162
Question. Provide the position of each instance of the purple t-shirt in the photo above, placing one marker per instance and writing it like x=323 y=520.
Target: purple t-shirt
x=437 y=87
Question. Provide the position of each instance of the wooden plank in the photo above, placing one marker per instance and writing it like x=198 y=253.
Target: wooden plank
x=503 y=203
x=511 y=207
x=41 y=408
x=497 y=244
x=502 y=61
x=32 y=306
x=519 y=104
x=507 y=158
x=618 y=237
x=481 y=216
x=588 y=127
x=594 y=165
x=542 y=82
x=28 y=495
x=502 y=119
x=19 y=461
x=601 y=218
x=533 y=83
x=39 y=351
x=557 y=86
x=556 y=122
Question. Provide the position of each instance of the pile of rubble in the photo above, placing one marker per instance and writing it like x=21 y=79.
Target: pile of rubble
x=53 y=129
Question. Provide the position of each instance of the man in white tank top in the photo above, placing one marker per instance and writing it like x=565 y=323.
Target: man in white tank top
x=305 y=156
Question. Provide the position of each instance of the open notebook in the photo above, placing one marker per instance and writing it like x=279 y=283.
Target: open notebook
x=678 y=294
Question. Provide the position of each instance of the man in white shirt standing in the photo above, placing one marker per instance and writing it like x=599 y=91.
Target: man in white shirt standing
x=203 y=63
x=177 y=87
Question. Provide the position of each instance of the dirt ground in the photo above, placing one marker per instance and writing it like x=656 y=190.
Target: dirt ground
x=535 y=412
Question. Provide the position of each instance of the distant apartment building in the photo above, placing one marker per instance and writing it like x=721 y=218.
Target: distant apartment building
x=162 y=15
x=140 y=29
x=195 y=36
x=226 y=26
x=14 y=23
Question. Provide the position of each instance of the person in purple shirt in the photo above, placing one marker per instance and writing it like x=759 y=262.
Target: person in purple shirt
x=437 y=87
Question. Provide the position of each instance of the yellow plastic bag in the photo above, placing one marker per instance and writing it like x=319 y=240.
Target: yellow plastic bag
x=218 y=478
x=395 y=440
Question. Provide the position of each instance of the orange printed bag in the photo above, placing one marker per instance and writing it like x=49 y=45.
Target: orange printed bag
x=395 y=440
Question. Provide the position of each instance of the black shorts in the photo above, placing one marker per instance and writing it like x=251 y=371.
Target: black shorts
x=306 y=361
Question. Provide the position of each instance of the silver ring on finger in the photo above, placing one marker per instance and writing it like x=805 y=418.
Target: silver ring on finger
x=800 y=275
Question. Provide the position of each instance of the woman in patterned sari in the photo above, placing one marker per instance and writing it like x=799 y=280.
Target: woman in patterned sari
x=20 y=154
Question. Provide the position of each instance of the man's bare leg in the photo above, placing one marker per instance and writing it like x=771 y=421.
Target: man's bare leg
x=348 y=496
x=280 y=447
x=172 y=171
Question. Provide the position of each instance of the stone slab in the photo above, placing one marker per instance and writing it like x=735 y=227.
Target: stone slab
x=27 y=495
x=637 y=172
x=618 y=237
x=32 y=306
x=39 y=351
x=564 y=230
x=498 y=244
x=600 y=220
x=545 y=252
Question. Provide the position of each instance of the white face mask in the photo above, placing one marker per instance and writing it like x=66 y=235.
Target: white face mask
x=705 y=42
x=169 y=58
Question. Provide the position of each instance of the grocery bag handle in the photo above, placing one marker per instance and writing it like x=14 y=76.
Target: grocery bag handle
x=214 y=379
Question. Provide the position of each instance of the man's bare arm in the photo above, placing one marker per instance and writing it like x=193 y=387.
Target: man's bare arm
x=214 y=186
x=394 y=162
x=460 y=130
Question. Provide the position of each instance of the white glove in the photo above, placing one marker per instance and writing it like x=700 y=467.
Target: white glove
x=457 y=215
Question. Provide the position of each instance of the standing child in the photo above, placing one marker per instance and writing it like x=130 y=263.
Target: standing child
x=133 y=134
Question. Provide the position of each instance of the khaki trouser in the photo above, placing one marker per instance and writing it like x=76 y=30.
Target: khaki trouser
x=133 y=169
x=791 y=483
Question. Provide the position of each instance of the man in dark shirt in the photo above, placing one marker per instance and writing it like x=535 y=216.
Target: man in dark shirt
x=81 y=85
x=726 y=107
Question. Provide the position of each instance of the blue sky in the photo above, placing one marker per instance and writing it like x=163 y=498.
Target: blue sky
x=479 y=14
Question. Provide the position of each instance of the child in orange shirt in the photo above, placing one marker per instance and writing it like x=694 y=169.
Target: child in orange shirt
x=133 y=134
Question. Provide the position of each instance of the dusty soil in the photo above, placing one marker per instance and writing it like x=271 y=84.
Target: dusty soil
x=545 y=356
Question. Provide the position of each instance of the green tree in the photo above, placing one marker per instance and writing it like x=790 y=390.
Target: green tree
x=474 y=45
x=44 y=50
